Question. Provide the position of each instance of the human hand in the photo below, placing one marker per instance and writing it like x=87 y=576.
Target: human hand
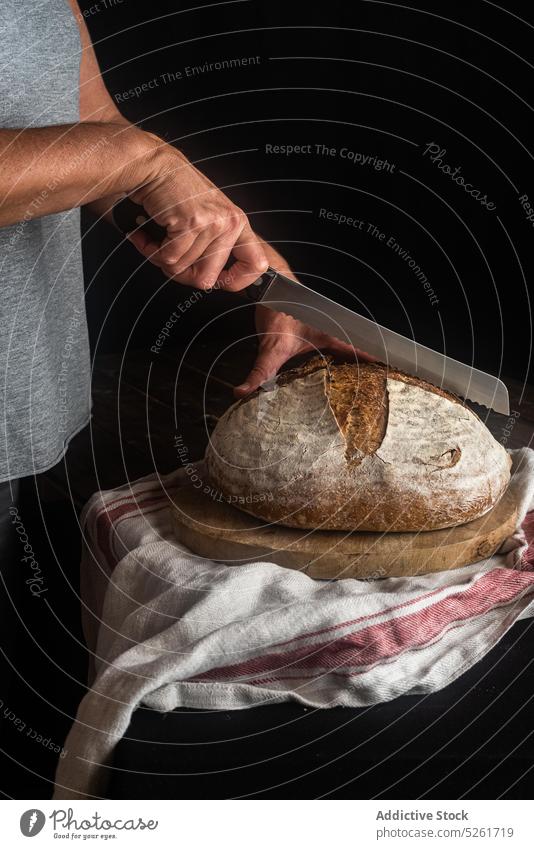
x=203 y=226
x=282 y=337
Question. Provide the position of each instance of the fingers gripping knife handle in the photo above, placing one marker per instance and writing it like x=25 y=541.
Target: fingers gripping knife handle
x=130 y=216
x=256 y=291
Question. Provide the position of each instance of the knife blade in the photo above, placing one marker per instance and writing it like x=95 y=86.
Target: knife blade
x=278 y=292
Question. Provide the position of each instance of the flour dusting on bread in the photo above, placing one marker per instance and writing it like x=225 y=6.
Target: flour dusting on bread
x=354 y=446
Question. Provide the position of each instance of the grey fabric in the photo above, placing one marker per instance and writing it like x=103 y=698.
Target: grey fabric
x=44 y=349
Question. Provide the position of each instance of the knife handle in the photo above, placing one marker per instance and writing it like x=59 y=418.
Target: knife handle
x=130 y=216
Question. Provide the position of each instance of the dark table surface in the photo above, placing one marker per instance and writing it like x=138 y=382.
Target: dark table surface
x=472 y=739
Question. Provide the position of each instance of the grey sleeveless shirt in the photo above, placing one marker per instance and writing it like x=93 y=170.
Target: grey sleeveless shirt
x=44 y=350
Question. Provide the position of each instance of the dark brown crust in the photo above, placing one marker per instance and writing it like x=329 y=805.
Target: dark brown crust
x=357 y=394
x=377 y=511
x=315 y=363
x=351 y=371
x=358 y=399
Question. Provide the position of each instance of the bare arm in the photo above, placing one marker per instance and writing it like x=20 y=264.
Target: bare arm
x=96 y=105
x=280 y=337
x=50 y=169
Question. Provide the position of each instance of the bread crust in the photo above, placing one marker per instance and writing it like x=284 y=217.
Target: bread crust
x=348 y=446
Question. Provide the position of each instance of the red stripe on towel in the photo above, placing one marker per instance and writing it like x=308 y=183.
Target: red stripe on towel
x=380 y=641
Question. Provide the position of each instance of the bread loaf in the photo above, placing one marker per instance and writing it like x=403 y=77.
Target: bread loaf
x=347 y=446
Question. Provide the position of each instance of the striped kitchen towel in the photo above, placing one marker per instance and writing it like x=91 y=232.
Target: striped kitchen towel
x=176 y=630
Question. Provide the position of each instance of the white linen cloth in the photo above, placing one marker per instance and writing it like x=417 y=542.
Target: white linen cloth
x=178 y=630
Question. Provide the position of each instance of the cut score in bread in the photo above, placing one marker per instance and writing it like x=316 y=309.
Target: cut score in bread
x=356 y=446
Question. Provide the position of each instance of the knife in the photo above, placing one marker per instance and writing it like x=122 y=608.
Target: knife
x=280 y=293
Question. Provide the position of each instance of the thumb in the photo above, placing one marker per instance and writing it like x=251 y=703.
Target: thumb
x=266 y=366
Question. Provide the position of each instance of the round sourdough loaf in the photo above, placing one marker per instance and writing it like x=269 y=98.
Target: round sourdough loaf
x=347 y=446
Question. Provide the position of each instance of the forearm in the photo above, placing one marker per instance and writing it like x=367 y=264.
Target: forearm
x=50 y=169
x=102 y=208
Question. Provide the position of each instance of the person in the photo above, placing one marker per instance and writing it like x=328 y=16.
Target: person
x=63 y=145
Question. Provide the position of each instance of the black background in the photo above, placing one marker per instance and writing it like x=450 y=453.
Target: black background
x=384 y=80
x=378 y=78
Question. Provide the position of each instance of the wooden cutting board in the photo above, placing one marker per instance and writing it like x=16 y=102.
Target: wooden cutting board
x=216 y=530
